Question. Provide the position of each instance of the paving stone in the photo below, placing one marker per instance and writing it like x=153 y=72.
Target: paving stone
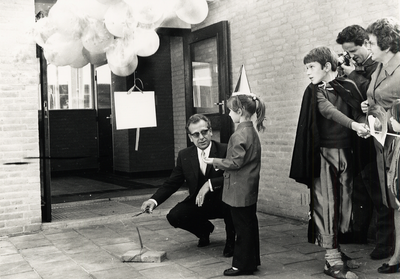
x=288 y=257
x=55 y=270
x=144 y=255
x=171 y=271
x=121 y=272
x=59 y=234
x=211 y=270
x=197 y=260
x=270 y=248
x=14 y=268
x=7 y=250
x=94 y=232
x=11 y=258
x=22 y=275
x=121 y=248
x=143 y=266
x=30 y=241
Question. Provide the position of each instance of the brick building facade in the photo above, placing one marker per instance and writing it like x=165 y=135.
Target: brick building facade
x=269 y=37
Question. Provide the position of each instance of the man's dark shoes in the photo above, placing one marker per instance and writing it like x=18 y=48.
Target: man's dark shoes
x=204 y=241
x=229 y=247
x=237 y=272
x=381 y=252
x=386 y=268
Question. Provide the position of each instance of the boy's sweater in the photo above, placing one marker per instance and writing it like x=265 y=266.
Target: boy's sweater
x=335 y=125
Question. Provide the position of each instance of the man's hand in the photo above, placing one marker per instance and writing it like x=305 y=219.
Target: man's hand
x=348 y=69
x=202 y=193
x=148 y=206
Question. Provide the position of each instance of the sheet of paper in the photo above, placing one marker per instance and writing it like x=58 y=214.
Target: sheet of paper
x=379 y=135
x=135 y=110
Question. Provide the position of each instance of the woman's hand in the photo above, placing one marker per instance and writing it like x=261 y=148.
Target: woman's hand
x=364 y=106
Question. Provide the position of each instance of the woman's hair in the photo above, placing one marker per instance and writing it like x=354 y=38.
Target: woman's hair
x=395 y=110
x=322 y=55
x=250 y=105
x=387 y=32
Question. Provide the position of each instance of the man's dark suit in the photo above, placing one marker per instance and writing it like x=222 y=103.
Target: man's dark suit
x=186 y=214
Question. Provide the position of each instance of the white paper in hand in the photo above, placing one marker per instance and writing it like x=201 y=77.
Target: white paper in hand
x=380 y=135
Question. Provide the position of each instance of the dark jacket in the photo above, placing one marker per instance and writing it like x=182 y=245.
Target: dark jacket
x=242 y=166
x=364 y=149
x=362 y=77
x=188 y=169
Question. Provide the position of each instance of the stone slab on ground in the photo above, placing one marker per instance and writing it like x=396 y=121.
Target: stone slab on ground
x=144 y=256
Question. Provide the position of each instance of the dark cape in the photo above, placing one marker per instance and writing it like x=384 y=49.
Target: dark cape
x=306 y=161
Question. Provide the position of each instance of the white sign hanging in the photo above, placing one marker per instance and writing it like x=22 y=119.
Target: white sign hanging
x=135 y=110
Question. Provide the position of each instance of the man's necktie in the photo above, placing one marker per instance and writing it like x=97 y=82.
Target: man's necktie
x=203 y=166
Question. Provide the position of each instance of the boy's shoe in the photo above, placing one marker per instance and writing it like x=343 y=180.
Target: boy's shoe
x=339 y=271
x=349 y=262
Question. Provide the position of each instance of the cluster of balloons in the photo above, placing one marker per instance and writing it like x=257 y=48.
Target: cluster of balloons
x=78 y=32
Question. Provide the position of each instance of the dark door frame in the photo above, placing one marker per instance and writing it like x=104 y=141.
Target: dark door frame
x=220 y=32
x=44 y=140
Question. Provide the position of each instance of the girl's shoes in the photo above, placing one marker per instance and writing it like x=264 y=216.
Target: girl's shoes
x=237 y=272
x=386 y=268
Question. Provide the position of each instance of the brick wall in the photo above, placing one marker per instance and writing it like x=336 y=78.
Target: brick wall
x=270 y=38
x=19 y=177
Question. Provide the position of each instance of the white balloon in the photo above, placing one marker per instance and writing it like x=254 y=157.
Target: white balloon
x=124 y=71
x=193 y=11
x=61 y=50
x=148 y=11
x=146 y=42
x=42 y=30
x=93 y=9
x=121 y=57
x=80 y=61
x=119 y=20
x=95 y=37
x=109 y=2
x=95 y=58
x=66 y=20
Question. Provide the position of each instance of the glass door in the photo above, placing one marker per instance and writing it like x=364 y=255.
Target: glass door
x=207 y=86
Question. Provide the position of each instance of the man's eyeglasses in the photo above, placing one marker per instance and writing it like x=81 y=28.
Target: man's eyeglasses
x=197 y=134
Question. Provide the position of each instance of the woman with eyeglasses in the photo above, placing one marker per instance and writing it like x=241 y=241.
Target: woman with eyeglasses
x=384 y=89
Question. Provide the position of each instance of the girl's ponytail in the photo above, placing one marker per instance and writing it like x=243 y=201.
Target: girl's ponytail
x=260 y=112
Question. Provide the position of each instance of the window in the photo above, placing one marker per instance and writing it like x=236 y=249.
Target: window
x=70 y=88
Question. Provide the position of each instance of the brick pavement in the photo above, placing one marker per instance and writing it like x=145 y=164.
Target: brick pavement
x=90 y=246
